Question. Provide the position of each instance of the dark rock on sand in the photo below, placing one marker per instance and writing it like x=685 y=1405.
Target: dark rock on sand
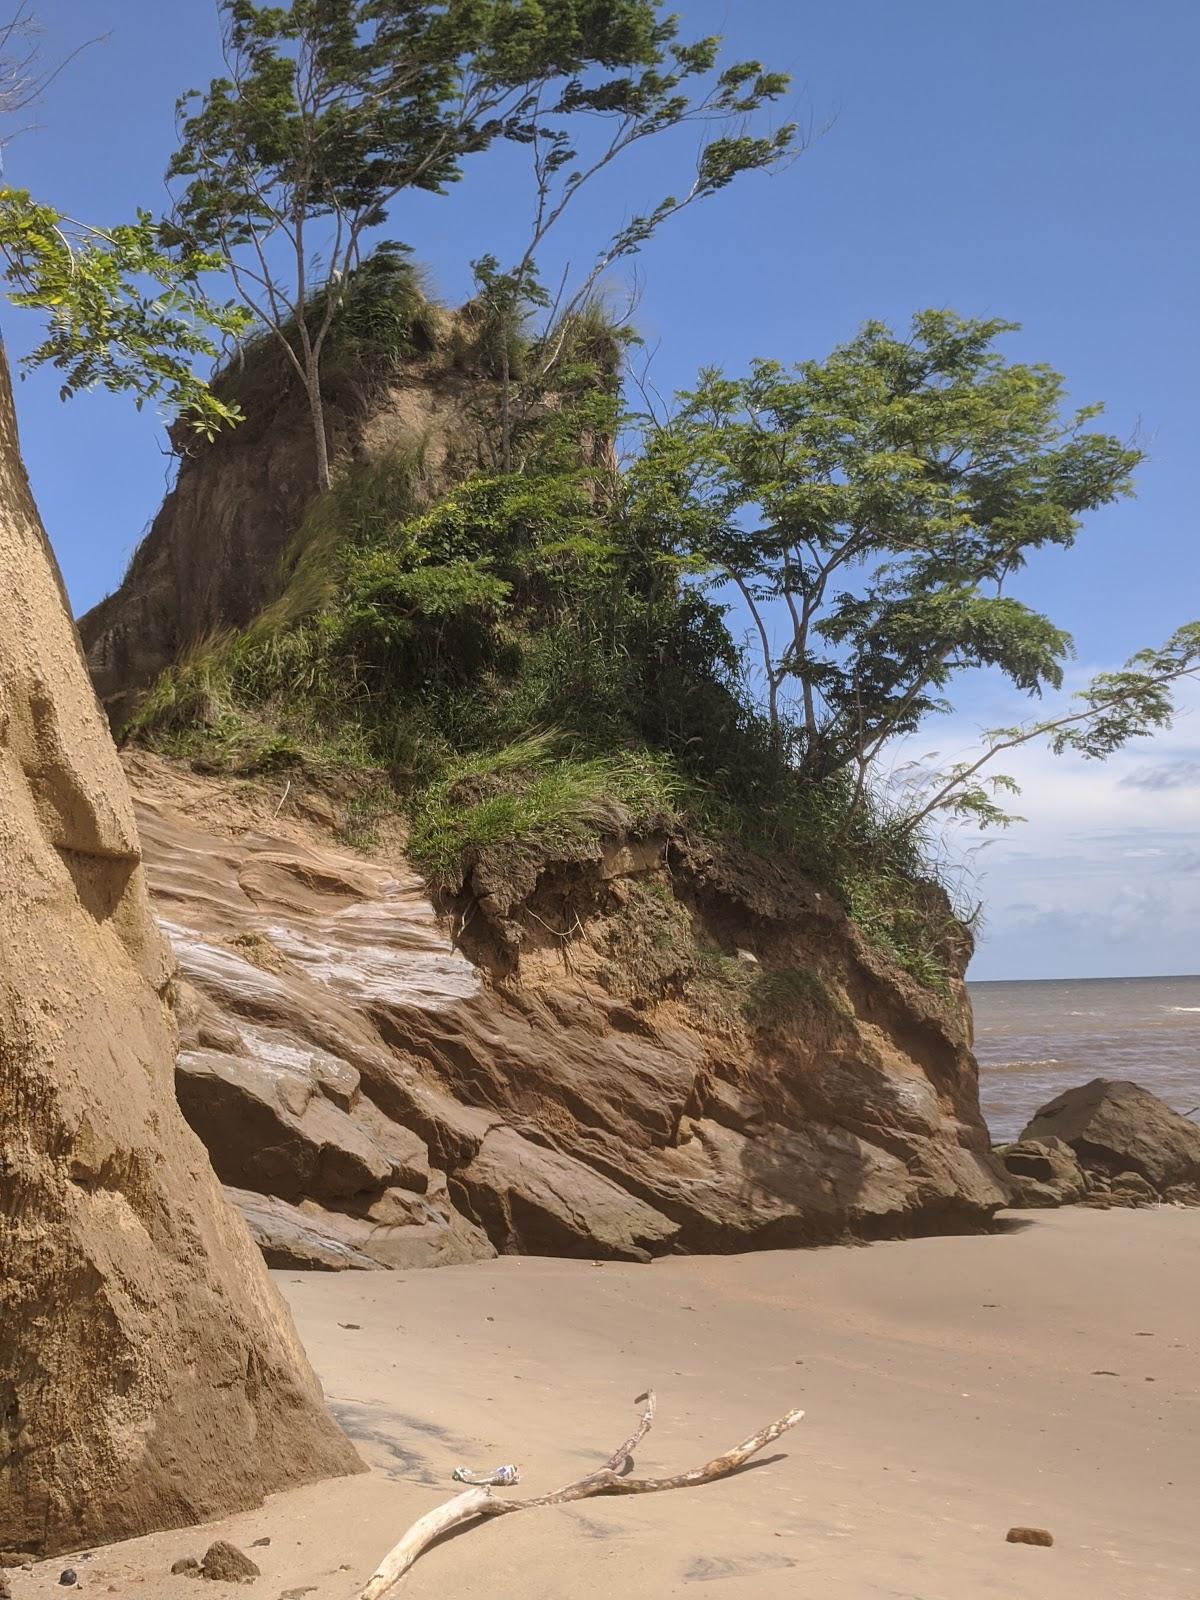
x=225 y=1563
x=1030 y=1536
x=185 y=1564
x=1044 y=1173
x=1121 y=1132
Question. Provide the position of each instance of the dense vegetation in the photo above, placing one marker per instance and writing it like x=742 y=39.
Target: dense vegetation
x=527 y=659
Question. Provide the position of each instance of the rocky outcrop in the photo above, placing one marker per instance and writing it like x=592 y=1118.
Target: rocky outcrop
x=1130 y=1147
x=580 y=1071
x=149 y=1373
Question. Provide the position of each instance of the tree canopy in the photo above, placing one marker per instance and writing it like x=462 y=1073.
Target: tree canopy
x=330 y=109
x=872 y=511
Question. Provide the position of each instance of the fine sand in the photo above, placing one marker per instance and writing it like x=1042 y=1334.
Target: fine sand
x=1045 y=1376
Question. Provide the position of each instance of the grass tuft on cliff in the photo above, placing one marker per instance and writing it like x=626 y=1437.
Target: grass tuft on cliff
x=536 y=793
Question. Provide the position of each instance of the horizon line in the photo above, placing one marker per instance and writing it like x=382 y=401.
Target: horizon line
x=1130 y=977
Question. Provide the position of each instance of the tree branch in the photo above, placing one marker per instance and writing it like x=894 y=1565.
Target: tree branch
x=478 y=1502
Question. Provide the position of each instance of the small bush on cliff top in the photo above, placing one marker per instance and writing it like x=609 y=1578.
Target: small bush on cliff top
x=535 y=793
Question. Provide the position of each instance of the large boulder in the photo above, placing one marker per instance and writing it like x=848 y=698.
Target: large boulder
x=1116 y=1128
x=149 y=1373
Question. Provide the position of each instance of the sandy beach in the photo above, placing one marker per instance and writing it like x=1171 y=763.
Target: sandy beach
x=1045 y=1376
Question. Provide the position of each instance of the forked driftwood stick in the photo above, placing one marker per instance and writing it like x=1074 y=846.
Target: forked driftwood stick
x=479 y=1502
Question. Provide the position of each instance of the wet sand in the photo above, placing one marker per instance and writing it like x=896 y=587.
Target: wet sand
x=1046 y=1376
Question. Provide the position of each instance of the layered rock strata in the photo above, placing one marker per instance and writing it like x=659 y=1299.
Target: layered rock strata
x=373 y=1094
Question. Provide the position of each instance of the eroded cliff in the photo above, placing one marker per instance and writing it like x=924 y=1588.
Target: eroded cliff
x=669 y=992
x=648 y=1049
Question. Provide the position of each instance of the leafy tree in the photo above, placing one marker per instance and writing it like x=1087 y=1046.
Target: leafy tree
x=332 y=108
x=125 y=312
x=656 y=101
x=871 y=510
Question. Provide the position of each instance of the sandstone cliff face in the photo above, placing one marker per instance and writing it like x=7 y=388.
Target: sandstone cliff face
x=377 y=1092
x=149 y=1373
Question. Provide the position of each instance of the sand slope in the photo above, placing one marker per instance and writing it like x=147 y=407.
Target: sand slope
x=954 y=1387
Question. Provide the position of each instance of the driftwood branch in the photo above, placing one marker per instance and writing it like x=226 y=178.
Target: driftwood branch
x=478 y=1502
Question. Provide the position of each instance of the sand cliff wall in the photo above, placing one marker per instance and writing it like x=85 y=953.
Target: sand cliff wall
x=149 y=1373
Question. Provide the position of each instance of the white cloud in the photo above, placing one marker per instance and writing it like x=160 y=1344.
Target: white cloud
x=1103 y=876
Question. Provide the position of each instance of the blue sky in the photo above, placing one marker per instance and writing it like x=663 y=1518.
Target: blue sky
x=1035 y=160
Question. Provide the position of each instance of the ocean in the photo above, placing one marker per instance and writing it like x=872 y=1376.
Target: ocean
x=1035 y=1039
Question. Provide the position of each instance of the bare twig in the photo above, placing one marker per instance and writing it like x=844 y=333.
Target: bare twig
x=478 y=1502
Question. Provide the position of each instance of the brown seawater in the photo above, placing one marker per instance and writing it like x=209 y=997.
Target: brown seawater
x=1036 y=1038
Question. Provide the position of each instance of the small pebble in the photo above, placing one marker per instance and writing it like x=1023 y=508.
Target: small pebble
x=185 y=1564
x=1029 y=1536
x=68 y=1576
x=260 y=1543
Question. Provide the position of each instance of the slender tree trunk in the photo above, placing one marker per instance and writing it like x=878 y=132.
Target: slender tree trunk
x=506 y=403
x=316 y=406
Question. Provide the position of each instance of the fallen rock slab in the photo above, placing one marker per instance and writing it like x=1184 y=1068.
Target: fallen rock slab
x=401 y=1230
x=288 y=1238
